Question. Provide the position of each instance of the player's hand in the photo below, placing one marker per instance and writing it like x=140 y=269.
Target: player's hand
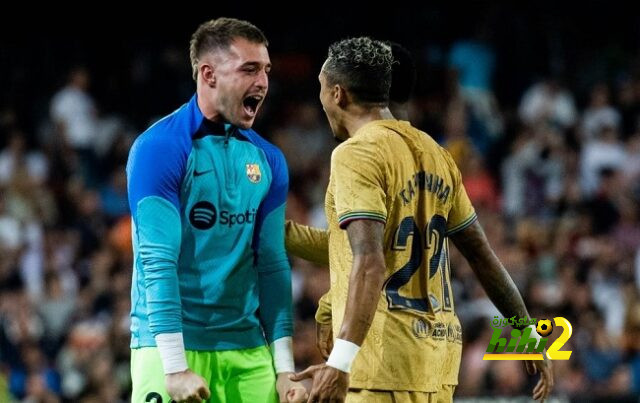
x=329 y=384
x=187 y=387
x=543 y=389
x=324 y=339
x=290 y=391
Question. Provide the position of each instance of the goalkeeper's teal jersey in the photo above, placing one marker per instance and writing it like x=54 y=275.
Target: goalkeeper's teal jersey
x=207 y=203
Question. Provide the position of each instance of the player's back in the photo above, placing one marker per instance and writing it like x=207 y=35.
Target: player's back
x=422 y=184
x=412 y=184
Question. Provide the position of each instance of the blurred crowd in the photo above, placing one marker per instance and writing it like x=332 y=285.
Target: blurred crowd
x=554 y=177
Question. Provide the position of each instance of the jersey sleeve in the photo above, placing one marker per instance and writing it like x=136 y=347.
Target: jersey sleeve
x=358 y=181
x=309 y=243
x=274 y=270
x=323 y=314
x=462 y=213
x=153 y=186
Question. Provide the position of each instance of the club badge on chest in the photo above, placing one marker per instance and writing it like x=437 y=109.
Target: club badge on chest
x=253 y=173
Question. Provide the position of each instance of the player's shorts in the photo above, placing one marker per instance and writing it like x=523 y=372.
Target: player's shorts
x=451 y=366
x=234 y=376
x=443 y=395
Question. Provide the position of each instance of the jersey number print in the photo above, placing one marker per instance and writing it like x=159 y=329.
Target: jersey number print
x=433 y=240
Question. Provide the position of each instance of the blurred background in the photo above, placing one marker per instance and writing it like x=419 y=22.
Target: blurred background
x=538 y=103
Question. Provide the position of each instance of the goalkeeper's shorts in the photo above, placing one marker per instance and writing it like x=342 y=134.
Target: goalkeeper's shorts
x=233 y=376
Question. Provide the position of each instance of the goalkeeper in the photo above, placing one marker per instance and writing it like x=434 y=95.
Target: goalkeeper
x=211 y=281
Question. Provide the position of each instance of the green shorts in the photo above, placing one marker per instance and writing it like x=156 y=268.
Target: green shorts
x=234 y=375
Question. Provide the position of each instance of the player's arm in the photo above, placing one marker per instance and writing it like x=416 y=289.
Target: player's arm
x=323 y=314
x=324 y=326
x=360 y=200
x=274 y=282
x=501 y=289
x=365 y=281
x=495 y=279
x=359 y=183
x=154 y=189
x=274 y=278
x=274 y=271
x=312 y=244
x=307 y=242
x=467 y=235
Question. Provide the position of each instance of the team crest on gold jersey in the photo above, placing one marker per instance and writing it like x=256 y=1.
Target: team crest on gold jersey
x=253 y=173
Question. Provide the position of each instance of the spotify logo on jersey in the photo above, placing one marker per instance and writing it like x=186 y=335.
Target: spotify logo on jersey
x=203 y=215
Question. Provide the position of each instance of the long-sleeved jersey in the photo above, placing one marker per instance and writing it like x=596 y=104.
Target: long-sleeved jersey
x=207 y=203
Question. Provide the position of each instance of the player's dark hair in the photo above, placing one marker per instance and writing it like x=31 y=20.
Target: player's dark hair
x=403 y=74
x=218 y=34
x=363 y=67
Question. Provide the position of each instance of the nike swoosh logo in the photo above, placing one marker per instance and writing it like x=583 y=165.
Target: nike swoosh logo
x=196 y=173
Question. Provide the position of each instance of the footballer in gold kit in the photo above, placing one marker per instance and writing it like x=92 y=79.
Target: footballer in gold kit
x=394 y=199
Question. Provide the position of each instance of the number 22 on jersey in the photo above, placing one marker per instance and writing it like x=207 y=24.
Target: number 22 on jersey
x=428 y=243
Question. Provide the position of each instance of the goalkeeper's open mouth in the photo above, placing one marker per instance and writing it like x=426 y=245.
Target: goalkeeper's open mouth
x=251 y=104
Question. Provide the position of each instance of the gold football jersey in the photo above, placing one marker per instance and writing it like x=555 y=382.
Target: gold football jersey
x=393 y=173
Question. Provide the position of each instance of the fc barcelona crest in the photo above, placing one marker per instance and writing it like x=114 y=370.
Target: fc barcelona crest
x=253 y=173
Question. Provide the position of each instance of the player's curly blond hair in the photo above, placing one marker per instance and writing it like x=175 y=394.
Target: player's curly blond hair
x=363 y=67
x=218 y=34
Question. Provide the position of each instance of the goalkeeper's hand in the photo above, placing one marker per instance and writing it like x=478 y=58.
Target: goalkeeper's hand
x=290 y=391
x=187 y=387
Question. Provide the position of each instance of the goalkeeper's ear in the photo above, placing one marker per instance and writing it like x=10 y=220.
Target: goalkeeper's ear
x=207 y=72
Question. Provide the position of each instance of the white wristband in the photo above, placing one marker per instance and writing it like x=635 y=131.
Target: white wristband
x=342 y=355
x=171 y=349
x=282 y=352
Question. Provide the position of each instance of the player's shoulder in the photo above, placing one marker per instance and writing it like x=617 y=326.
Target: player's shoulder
x=351 y=148
x=431 y=146
x=369 y=137
x=170 y=130
x=446 y=156
x=374 y=132
x=271 y=150
x=165 y=142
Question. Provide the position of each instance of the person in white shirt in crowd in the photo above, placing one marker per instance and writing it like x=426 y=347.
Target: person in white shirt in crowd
x=548 y=101
x=599 y=114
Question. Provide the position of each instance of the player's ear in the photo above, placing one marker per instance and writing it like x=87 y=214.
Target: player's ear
x=207 y=72
x=339 y=95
